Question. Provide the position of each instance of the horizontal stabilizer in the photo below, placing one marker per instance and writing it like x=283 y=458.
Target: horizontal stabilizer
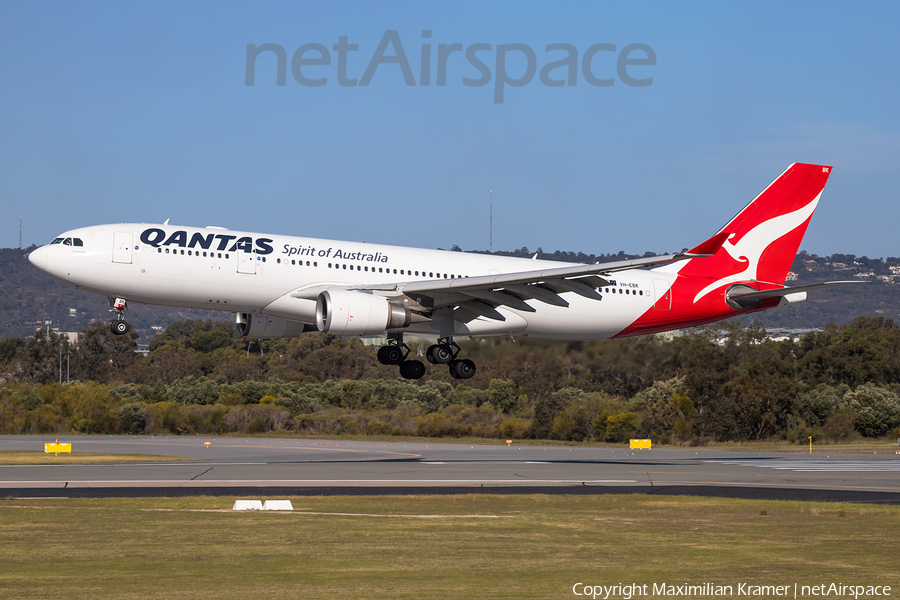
x=746 y=297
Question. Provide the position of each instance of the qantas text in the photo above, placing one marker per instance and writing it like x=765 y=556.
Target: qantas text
x=223 y=242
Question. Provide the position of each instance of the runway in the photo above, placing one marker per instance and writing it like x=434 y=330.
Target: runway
x=284 y=466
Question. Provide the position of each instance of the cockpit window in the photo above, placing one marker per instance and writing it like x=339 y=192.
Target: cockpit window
x=68 y=241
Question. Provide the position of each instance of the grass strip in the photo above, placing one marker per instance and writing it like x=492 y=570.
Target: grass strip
x=462 y=546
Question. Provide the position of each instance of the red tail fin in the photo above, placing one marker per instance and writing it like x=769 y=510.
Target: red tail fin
x=764 y=237
x=762 y=241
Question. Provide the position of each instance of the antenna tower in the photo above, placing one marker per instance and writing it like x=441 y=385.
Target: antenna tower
x=491 y=223
x=20 y=231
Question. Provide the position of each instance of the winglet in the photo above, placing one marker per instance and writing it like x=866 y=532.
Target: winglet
x=712 y=245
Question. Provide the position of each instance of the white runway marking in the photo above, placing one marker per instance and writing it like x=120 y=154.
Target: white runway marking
x=813 y=464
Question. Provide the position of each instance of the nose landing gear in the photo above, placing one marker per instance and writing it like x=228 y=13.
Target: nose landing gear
x=120 y=326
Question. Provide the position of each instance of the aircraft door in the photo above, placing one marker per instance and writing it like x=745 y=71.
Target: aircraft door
x=662 y=294
x=122 y=243
x=246 y=263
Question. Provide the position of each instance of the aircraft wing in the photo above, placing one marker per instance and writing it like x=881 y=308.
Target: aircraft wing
x=479 y=296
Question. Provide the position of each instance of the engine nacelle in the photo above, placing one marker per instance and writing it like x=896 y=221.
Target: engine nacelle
x=269 y=328
x=342 y=312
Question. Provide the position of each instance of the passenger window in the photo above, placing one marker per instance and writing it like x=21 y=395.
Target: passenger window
x=395 y=271
x=315 y=264
x=159 y=250
x=220 y=255
x=167 y=250
x=189 y=253
x=431 y=274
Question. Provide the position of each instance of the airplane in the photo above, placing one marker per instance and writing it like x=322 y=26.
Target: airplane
x=284 y=286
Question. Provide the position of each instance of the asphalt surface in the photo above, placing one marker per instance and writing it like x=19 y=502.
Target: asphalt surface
x=272 y=466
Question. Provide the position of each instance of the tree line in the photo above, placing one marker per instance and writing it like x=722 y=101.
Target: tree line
x=716 y=383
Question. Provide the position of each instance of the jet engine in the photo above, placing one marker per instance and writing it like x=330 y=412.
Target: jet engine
x=343 y=312
x=268 y=328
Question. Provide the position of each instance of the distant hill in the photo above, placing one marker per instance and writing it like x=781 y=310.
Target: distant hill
x=28 y=298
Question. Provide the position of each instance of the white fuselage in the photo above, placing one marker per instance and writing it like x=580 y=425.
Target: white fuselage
x=279 y=276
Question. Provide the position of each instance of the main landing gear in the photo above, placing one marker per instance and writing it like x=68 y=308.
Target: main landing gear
x=445 y=352
x=120 y=326
x=397 y=353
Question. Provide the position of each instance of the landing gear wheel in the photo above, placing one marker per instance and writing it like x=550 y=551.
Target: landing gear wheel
x=439 y=354
x=120 y=327
x=412 y=369
x=390 y=355
x=462 y=369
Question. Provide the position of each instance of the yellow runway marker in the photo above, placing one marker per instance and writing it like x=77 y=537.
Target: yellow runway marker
x=56 y=448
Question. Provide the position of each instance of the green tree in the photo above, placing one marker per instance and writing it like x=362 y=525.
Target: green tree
x=621 y=426
x=875 y=410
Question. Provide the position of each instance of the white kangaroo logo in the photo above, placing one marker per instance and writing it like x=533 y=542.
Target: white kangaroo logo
x=750 y=247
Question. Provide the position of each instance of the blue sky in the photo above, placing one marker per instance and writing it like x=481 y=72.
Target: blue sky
x=123 y=112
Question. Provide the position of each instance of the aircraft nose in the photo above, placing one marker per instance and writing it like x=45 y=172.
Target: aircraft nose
x=39 y=258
